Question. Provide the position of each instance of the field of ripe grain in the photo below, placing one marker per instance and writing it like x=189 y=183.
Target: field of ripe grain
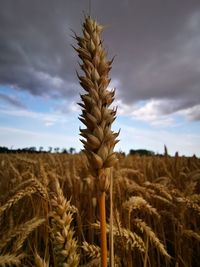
x=49 y=214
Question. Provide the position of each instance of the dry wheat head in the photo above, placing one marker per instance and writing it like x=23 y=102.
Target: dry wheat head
x=99 y=140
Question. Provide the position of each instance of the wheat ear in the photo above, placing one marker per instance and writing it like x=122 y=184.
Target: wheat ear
x=39 y=262
x=19 y=195
x=11 y=259
x=29 y=227
x=152 y=237
x=92 y=251
x=99 y=140
x=132 y=239
x=64 y=243
x=21 y=231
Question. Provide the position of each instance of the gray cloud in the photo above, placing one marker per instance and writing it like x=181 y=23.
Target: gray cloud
x=192 y=114
x=157 y=44
x=12 y=100
x=35 y=47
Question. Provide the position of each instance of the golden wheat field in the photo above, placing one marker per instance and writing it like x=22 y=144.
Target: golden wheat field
x=49 y=214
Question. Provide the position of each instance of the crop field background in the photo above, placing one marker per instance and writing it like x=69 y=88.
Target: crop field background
x=49 y=212
x=135 y=91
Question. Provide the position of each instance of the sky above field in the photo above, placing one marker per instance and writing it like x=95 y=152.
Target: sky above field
x=156 y=72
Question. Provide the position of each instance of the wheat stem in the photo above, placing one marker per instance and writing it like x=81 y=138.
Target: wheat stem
x=99 y=140
x=111 y=251
x=102 y=211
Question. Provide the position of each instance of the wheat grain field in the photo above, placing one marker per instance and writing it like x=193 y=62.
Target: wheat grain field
x=49 y=214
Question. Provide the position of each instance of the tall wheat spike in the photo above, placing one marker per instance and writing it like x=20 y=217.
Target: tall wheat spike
x=99 y=140
x=64 y=243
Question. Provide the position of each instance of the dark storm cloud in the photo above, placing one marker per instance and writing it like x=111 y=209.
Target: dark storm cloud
x=157 y=44
x=35 y=51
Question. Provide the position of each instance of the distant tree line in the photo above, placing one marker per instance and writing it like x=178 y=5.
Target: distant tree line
x=71 y=150
x=141 y=152
x=41 y=149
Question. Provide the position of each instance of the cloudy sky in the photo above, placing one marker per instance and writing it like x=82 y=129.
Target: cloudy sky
x=156 y=72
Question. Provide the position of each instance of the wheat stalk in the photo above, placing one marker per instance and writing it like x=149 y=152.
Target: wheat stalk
x=132 y=240
x=152 y=236
x=39 y=262
x=29 y=227
x=34 y=186
x=65 y=246
x=11 y=260
x=19 y=195
x=19 y=230
x=92 y=251
x=139 y=203
x=99 y=140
